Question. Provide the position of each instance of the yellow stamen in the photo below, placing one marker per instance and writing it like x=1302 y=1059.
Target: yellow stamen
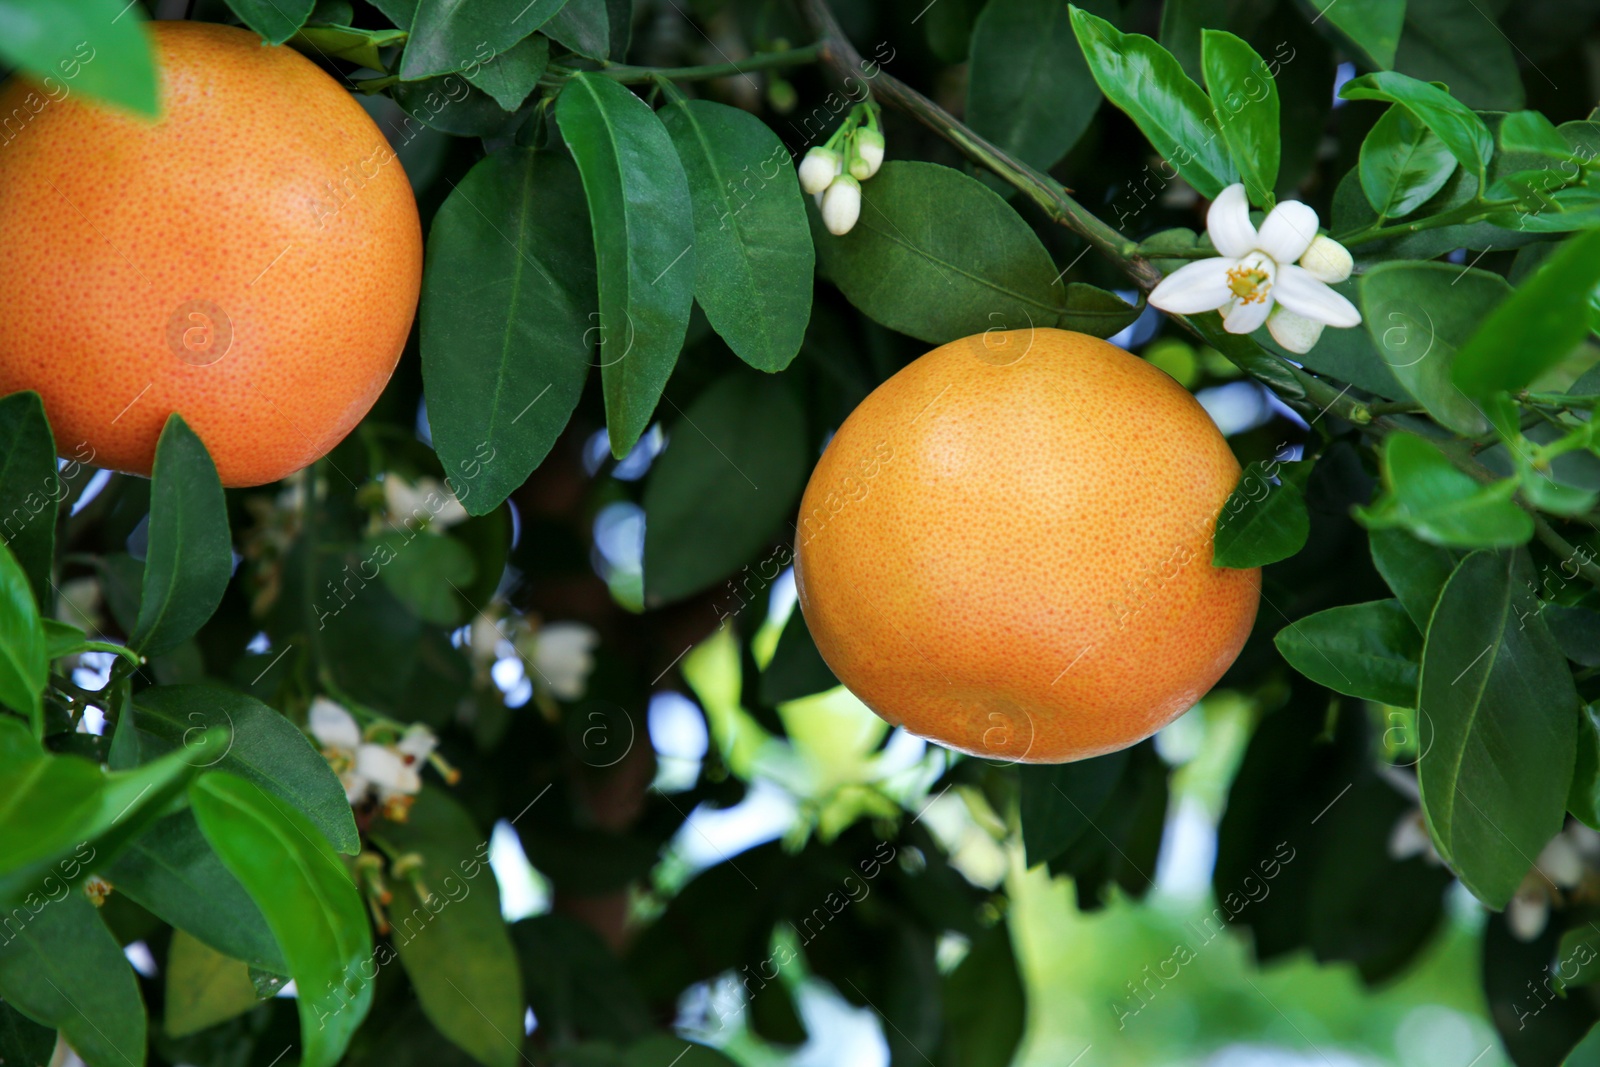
x=1249 y=284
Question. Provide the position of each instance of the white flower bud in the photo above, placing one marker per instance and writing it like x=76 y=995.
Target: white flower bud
x=841 y=205
x=1295 y=332
x=868 y=155
x=1327 y=260
x=818 y=168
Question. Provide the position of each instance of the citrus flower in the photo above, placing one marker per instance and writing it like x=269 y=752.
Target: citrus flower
x=366 y=768
x=818 y=168
x=1256 y=280
x=563 y=656
x=428 y=500
x=868 y=154
x=1560 y=865
x=841 y=205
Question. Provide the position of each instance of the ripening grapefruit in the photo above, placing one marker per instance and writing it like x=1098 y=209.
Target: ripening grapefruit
x=1006 y=548
x=250 y=260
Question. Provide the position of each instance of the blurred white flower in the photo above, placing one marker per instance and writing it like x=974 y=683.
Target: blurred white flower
x=427 y=503
x=818 y=168
x=1559 y=866
x=841 y=205
x=392 y=772
x=562 y=657
x=1256 y=271
x=1410 y=838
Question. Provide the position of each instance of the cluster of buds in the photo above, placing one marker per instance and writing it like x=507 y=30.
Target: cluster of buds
x=833 y=172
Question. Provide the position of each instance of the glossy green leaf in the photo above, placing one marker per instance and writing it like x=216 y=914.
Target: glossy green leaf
x=1371 y=651
x=754 y=262
x=64 y=969
x=173 y=873
x=449 y=36
x=508 y=303
x=1530 y=131
x=1576 y=630
x=1414 y=570
x=1583 y=797
x=24 y=651
x=353 y=44
x=424 y=572
x=452 y=941
x=265 y=748
x=643 y=221
x=583 y=26
x=1029 y=90
x=204 y=987
x=190 y=557
x=1419 y=315
x=1144 y=80
x=735 y=462
x=1462 y=131
x=1244 y=99
x=1262 y=522
x=1373 y=26
x=87 y=46
x=985 y=1003
x=1403 y=163
x=1443 y=506
x=312 y=907
x=59 y=814
x=275 y=20
x=1503 y=710
x=514 y=72
x=1459 y=43
x=24 y=1042
x=796 y=668
x=940 y=256
x=1537 y=327
x=30 y=487
x=1059 y=803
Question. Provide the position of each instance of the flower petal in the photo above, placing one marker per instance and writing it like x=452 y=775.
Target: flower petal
x=1195 y=287
x=1295 y=332
x=1328 y=260
x=418 y=742
x=332 y=726
x=1248 y=316
x=1298 y=290
x=1228 y=223
x=382 y=766
x=1288 y=231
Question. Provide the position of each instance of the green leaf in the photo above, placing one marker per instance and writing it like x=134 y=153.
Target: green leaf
x=583 y=26
x=734 y=465
x=86 y=46
x=1583 y=797
x=796 y=668
x=190 y=557
x=939 y=256
x=1244 y=99
x=351 y=43
x=985 y=1003
x=513 y=73
x=1459 y=43
x=1029 y=90
x=1442 y=505
x=753 y=257
x=63 y=968
x=275 y=20
x=1530 y=131
x=1462 y=131
x=449 y=36
x=265 y=748
x=643 y=225
x=452 y=941
x=30 y=488
x=1373 y=26
x=204 y=987
x=575 y=982
x=1403 y=163
x=1414 y=570
x=1503 y=709
x=174 y=874
x=23 y=1042
x=1261 y=522
x=58 y=814
x=1419 y=315
x=508 y=299
x=1576 y=630
x=424 y=572
x=1578 y=952
x=1370 y=651
x=310 y=903
x=1059 y=802
x=1537 y=327
x=24 y=653
x=1146 y=82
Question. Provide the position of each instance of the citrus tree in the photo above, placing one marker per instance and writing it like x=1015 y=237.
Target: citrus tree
x=310 y=608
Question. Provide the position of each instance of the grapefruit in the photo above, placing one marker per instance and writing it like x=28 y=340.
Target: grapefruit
x=250 y=260
x=1006 y=548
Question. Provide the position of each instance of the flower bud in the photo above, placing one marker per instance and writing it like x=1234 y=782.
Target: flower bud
x=841 y=205
x=868 y=154
x=1327 y=260
x=1295 y=332
x=818 y=168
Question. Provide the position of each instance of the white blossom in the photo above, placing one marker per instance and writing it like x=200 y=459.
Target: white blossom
x=868 y=154
x=563 y=657
x=392 y=772
x=841 y=205
x=425 y=502
x=818 y=168
x=1256 y=272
